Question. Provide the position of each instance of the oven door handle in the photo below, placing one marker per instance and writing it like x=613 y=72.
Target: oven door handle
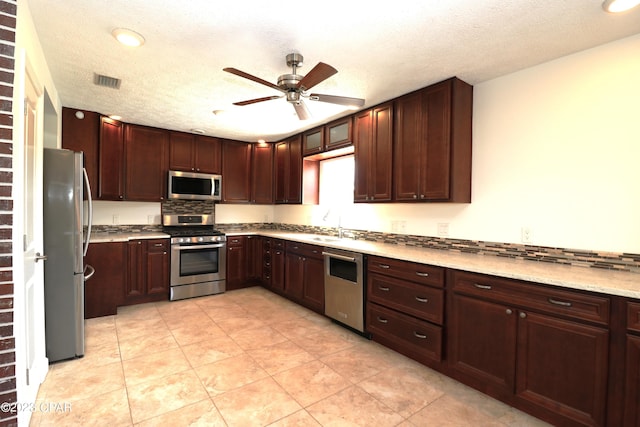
x=342 y=257
x=199 y=246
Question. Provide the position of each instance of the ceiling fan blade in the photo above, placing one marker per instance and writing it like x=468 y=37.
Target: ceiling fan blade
x=253 y=101
x=317 y=74
x=341 y=100
x=302 y=110
x=250 y=77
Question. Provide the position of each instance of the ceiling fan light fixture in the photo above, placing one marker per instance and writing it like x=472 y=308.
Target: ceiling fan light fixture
x=128 y=37
x=617 y=6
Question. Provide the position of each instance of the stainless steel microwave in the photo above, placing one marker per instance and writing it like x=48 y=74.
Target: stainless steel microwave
x=194 y=186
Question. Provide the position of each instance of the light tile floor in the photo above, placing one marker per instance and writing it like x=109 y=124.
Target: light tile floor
x=250 y=358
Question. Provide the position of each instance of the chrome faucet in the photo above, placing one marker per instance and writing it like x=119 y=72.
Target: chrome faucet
x=340 y=232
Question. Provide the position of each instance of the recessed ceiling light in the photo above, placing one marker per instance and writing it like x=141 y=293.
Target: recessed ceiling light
x=128 y=37
x=115 y=117
x=616 y=6
x=198 y=131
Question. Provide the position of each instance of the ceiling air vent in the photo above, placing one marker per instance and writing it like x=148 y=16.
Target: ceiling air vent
x=106 y=81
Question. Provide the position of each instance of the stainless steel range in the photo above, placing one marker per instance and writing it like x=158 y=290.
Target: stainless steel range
x=198 y=256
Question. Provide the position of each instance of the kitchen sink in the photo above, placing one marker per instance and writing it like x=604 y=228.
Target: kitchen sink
x=326 y=239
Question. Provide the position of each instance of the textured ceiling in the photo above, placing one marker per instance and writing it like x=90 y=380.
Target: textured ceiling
x=381 y=50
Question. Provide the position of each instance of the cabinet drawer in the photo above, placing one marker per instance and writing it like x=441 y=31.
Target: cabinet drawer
x=633 y=316
x=420 y=273
x=304 y=249
x=417 y=300
x=235 y=240
x=405 y=332
x=525 y=295
x=158 y=245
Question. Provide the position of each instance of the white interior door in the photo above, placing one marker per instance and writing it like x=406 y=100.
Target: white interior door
x=31 y=361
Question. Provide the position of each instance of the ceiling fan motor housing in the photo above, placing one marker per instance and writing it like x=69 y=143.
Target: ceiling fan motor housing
x=289 y=81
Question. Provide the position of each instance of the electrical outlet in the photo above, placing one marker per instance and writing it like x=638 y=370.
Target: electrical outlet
x=525 y=235
x=150 y=219
x=116 y=219
x=443 y=229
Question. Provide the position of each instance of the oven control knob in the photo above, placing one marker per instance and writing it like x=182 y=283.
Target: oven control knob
x=200 y=239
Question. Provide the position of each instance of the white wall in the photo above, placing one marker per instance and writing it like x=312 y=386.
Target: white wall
x=556 y=149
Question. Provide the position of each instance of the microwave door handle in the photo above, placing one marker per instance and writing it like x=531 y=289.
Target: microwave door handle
x=201 y=246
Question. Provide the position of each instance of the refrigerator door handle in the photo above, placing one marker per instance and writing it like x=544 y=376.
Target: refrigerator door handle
x=90 y=218
x=89 y=271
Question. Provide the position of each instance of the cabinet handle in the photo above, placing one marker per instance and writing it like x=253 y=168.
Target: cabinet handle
x=164 y=253
x=422 y=196
x=415 y=196
x=422 y=274
x=560 y=303
x=158 y=245
x=479 y=286
x=382 y=288
x=235 y=241
x=523 y=315
x=381 y=320
x=419 y=299
x=385 y=266
x=418 y=335
x=509 y=311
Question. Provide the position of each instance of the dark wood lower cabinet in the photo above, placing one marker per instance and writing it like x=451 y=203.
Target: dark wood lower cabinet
x=632 y=386
x=147 y=271
x=304 y=275
x=103 y=292
x=548 y=360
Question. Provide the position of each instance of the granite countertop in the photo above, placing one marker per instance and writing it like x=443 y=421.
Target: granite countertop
x=584 y=278
x=104 y=237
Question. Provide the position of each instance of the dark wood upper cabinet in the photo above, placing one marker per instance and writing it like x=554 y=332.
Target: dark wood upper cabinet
x=83 y=134
x=236 y=172
x=288 y=171
x=111 y=160
x=262 y=173
x=373 y=141
x=334 y=135
x=432 y=144
x=146 y=163
x=194 y=153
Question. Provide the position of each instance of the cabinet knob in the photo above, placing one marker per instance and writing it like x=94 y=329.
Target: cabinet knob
x=509 y=311
x=422 y=196
x=523 y=315
x=415 y=196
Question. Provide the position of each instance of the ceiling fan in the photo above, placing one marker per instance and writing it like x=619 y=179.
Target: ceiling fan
x=294 y=86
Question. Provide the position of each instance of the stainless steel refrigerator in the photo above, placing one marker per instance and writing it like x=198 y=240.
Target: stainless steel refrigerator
x=65 y=247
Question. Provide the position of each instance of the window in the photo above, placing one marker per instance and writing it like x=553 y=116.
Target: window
x=336 y=182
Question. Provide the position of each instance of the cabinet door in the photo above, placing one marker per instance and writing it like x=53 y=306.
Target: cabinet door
x=157 y=265
x=632 y=388
x=382 y=153
x=294 y=180
x=83 y=135
x=288 y=173
x=111 y=160
x=338 y=134
x=482 y=342
x=362 y=140
x=278 y=269
x=146 y=163
x=436 y=167
x=236 y=172
x=181 y=151
x=135 y=283
x=208 y=154
x=373 y=141
x=294 y=276
x=562 y=367
x=313 y=141
x=236 y=262
x=407 y=147
x=262 y=174
x=104 y=291
x=254 y=258
x=313 y=290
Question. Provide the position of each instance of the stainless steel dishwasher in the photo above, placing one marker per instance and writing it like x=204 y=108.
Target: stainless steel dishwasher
x=344 y=287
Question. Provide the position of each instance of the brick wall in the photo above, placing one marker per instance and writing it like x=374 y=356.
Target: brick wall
x=8 y=10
